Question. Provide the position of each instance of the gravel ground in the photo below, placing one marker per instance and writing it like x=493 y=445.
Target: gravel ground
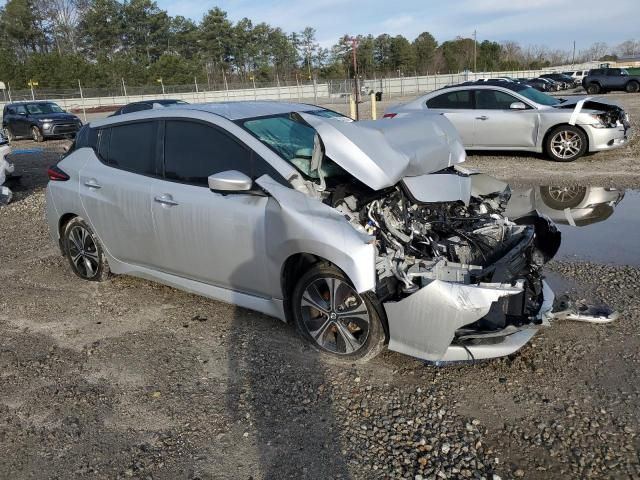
x=132 y=379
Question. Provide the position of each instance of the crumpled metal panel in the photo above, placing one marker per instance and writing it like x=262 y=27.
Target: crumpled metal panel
x=439 y=187
x=296 y=223
x=423 y=325
x=379 y=153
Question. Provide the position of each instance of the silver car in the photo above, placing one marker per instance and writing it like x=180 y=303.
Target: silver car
x=515 y=116
x=363 y=234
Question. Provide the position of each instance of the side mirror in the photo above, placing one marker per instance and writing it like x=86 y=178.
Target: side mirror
x=230 y=181
x=518 y=106
x=24 y=114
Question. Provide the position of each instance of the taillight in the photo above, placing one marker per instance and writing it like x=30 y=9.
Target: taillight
x=389 y=115
x=56 y=174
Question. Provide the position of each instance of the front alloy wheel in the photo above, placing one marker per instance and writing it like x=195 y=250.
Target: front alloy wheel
x=566 y=143
x=36 y=134
x=334 y=317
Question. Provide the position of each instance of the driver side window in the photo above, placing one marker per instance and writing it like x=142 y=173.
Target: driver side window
x=195 y=150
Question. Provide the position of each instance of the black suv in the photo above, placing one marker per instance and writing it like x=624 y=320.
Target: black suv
x=38 y=120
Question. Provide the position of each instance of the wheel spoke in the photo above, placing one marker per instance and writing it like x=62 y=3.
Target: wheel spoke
x=350 y=342
x=76 y=258
x=89 y=268
x=312 y=298
x=319 y=333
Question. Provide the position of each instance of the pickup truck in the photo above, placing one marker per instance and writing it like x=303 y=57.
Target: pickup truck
x=602 y=80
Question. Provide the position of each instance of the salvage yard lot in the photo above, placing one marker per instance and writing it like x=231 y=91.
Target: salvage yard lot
x=132 y=379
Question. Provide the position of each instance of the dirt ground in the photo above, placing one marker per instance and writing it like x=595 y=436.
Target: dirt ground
x=132 y=379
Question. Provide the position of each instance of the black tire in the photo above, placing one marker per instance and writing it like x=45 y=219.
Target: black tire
x=565 y=143
x=560 y=198
x=36 y=134
x=10 y=136
x=330 y=339
x=84 y=251
x=593 y=89
x=633 y=87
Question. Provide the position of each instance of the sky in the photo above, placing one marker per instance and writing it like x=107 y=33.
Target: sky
x=553 y=23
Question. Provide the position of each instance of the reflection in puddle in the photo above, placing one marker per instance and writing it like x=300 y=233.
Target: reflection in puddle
x=597 y=224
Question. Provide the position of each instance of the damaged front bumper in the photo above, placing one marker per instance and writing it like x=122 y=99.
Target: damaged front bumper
x=607 y=138
x=424 y=324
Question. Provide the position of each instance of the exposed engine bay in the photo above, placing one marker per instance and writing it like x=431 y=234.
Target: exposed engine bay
x=471 y=243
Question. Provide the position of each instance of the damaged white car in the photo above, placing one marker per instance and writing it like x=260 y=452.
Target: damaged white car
x=6 y=170
x=364 y=234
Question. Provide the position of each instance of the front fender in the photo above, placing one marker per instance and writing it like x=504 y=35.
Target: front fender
x=296 y=223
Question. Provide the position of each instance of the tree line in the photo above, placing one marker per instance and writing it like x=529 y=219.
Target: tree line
x=100 y=42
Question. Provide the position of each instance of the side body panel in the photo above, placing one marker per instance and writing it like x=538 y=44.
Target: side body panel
x=117 y=203
x=296 y=223
x=506 y=128
x=210 y=237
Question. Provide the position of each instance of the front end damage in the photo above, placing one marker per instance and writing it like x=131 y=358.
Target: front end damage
x=457 y=279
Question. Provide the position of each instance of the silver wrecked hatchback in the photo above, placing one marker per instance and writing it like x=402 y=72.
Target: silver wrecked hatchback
x=364 y=234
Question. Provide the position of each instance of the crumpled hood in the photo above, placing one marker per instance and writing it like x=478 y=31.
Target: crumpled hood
x=380 y=153
x=588 y=103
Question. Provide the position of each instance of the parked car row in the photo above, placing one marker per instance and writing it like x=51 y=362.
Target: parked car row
x=44 y=119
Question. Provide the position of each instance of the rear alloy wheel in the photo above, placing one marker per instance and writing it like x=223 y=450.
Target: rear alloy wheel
x=633 y=87
x=10 y=136
x=566 y=143
x=334 y=317
x=36 y=134
x=84 y=251
x=593 y=89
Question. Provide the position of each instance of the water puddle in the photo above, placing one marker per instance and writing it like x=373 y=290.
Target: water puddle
x=598 y=224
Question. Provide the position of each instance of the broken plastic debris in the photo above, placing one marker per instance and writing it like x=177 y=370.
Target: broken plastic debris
x=5 y=195
x=581 y=311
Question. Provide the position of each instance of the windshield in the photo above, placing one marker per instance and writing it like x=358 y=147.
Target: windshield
x=293 y=140
x=538 y=97
x=38 y=108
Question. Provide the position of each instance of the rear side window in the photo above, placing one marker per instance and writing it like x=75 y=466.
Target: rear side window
x=457 y=100
x=493 y=100
x=136 y=107
x=193 y=151
x=130 y=147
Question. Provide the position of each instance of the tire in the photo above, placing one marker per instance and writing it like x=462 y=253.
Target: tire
x=10 y=136
x=632 y=87
x=593 y=89
x=560 y=198
x=566 y=143
x=84 y=251
x=334 y=329
x=36 y=134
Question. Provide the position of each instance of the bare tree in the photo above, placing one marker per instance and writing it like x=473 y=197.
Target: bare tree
x=64 y=18
x=629 y=47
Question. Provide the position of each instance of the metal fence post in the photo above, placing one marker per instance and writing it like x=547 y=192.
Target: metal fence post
x=124 y=89
x=84 y=112
x=315 y=91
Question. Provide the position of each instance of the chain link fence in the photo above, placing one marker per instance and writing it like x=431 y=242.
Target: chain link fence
x=328 y=92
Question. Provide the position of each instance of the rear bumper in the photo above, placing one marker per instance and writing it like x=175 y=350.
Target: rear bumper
x=607 y=138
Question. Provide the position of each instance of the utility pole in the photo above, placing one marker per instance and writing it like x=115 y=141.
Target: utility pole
x=354 y=48
x=573 y=60
x=475 y=43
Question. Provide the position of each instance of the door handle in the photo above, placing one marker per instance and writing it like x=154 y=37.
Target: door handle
x=483 y=117
x=92 y=183
x=166 y=200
